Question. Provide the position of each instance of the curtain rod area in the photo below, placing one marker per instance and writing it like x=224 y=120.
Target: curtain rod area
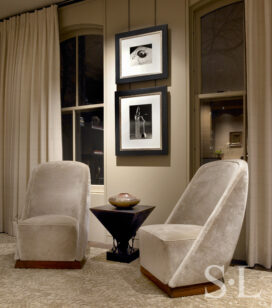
x=60 y=4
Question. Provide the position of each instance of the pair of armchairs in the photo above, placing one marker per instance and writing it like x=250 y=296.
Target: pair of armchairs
x=201 y=232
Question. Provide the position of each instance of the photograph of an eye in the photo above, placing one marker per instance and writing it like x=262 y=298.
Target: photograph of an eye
x=140 y=55
x=140 y=121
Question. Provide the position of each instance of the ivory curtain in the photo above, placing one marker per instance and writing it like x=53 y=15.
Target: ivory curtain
x=30 y=112
x=259 y=90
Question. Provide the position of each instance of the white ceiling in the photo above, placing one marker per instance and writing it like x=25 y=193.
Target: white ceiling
x=13 y=7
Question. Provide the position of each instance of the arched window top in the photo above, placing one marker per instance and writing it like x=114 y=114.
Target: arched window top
x=79 y=30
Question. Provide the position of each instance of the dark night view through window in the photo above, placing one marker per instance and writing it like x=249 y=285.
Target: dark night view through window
x=82 y=102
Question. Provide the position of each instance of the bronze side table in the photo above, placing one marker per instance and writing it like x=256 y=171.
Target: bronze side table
x=122 y=225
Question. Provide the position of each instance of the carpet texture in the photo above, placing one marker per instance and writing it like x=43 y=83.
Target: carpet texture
x=108 y=284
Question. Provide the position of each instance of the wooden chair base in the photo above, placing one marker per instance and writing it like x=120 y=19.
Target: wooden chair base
x=181 y=291
x=50 y=264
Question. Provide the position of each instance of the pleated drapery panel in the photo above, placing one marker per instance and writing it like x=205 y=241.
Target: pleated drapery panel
x=30 y=110
x=259 y=91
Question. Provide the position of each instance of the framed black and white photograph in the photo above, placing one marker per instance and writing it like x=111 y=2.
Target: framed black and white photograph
x=141 y=121
x=141 y=54
x=235 y=139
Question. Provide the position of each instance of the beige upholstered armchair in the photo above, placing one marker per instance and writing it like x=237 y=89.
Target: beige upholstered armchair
x=201 y=232
x=53 y=230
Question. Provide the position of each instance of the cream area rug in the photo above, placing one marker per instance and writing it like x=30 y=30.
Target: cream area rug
x=103 y=283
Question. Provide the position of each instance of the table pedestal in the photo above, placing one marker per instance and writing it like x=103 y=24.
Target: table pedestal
x=121 y=257
x=122 y=225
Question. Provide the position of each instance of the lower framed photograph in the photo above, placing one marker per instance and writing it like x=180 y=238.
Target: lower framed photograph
x=141 y=122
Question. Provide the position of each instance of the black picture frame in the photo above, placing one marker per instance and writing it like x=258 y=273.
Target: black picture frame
x=151 y=125
x=150 y=42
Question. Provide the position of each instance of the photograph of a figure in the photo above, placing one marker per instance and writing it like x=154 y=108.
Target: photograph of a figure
x=140 y=121
x=140 y=55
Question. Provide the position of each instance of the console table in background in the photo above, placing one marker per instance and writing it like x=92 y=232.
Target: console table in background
x=122 y=225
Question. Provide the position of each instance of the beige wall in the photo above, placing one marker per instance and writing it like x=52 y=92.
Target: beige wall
x=206 y=130
x=87 y=12
x=156 y=180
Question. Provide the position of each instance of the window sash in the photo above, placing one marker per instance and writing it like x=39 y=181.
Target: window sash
x=196 y=12
x=69 y=33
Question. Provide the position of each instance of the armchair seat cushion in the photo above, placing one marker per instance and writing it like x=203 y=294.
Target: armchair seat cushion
x=48 y=238
x=163 y=247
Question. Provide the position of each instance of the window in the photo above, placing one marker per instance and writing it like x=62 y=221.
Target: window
x=218 y=104
x=222 y=49
x=82 y=101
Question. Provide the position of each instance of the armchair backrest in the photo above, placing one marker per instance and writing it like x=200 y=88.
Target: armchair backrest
x=203 y=193
x=60 y=187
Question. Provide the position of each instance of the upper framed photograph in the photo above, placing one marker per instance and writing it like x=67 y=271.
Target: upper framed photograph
x=141 y=54
x=141 y=122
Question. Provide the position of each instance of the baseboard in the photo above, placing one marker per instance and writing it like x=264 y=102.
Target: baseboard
x=99 y=245
x=50 y=264
x=182 y=291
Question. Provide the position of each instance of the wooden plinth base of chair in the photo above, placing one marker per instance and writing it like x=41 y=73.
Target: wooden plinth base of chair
x=50 y=264
x=181 y=291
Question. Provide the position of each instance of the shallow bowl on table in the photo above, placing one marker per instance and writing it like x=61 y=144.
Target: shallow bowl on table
x=124 y=200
